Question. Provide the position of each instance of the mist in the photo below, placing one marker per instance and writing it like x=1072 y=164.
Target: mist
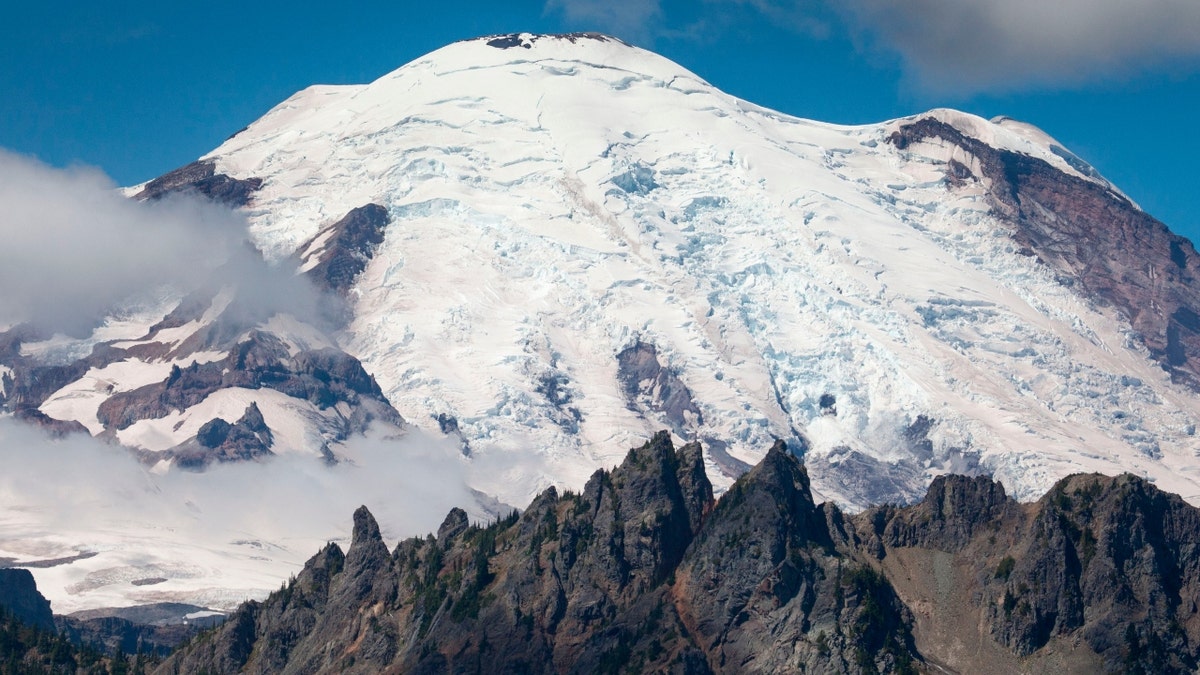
x=76 y=251
x=218 y=537
x=76 y=248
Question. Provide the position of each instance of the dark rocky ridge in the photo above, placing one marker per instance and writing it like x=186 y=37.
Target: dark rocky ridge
x=1107 y=563
x=347 y=246
x=324 y=377
x=1118 y=254
x=644 y=572
x=201 y=178
x=19 y=595
x=109 y=631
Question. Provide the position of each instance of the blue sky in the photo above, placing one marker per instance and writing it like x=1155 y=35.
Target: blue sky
x=139 y=88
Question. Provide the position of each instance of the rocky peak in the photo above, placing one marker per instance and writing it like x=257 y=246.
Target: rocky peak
x=658 y=515
x=367 y=564
x=456 y=523
x=954 y=509
x=366 y=531
x=253 y=420
x=781 y=480
x=694 y=486
x=248 y=438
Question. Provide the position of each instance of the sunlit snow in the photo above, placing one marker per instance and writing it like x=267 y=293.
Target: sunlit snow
x=555 y=204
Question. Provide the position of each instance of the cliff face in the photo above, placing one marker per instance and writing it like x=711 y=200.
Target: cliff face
x=20 y=598
x=645 y=572
x=1117 y=253
x=1100 y=575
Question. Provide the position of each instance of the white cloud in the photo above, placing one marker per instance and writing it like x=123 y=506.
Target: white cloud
x=997 y=44
x=74 y=248
x=216 y=536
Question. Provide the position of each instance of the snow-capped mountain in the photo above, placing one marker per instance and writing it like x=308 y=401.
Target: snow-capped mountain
x=550 y=246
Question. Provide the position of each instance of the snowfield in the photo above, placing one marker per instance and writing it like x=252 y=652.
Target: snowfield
x=555 y=202
x=559 y=201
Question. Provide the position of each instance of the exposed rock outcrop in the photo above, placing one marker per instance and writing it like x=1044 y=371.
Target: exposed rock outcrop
x=201 y=178
x=527 y=40
x=616 y=578
x=644 y=572
x=26 y=383
x=217 y=321
x=1107 y=568
x=20 y=597
x=1092 y=236
x=342 y=250
x=323 y=377
x=647 y=383
x=248 y=438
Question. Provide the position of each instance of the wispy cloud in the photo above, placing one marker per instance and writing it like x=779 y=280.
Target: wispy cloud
x=808 y=17
x=635 y=21
x=965 y=46
x=74 y=248
x=978 y=45
x=408 y=482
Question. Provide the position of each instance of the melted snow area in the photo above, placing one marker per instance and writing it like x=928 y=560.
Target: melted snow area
x=556 y=202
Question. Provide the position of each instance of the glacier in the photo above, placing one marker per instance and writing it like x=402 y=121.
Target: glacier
x=586 y=243
x=553 y=202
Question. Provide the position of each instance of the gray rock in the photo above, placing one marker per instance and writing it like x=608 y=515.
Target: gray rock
x=643 y=572
x=201 y=178
x=347 y=246
x=19 y=595
x=1118 y=254
x=646 y=382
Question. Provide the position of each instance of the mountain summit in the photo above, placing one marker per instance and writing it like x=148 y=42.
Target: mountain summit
x=551 y=246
